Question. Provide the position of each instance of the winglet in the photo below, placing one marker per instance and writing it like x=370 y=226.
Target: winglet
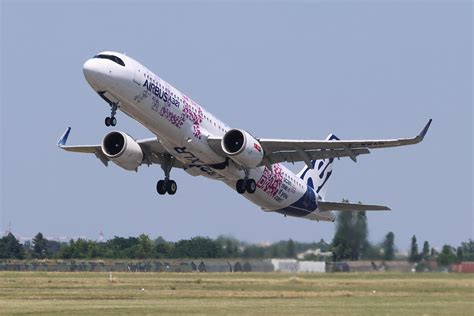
x=425 y=130
x=62 y=141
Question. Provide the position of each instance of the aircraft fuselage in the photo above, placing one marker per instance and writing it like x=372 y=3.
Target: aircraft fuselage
x=182 y=126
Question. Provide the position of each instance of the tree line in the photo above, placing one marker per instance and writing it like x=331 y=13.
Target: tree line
x=143 y=247
x=353 y=246
x=350 y=242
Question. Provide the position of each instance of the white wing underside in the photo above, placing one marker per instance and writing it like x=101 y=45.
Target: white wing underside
x=151 y=147
x=286 y=150
x=325 y=206
x=276 y=150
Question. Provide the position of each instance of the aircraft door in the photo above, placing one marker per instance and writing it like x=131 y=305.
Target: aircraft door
x=138 y=76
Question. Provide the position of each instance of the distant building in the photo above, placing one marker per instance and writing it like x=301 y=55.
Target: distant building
x=292 y=265
x=313 y=252
x=463 y=267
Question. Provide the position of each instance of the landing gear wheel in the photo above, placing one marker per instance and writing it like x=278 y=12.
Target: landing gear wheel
x=240 y=186
x=160 y=187
x=251 y=186
x=171 y=187
x=113 y=121
x=108 y=121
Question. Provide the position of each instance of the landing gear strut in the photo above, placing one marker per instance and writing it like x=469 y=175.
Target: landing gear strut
x=246 y=184
x=167 y=185
x=112 y=121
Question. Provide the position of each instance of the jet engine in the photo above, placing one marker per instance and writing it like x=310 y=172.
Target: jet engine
x=122 y=150
x=243 y=148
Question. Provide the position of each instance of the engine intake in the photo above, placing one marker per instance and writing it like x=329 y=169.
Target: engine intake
x=243 y=148
x=234 y=141
x=122 y=150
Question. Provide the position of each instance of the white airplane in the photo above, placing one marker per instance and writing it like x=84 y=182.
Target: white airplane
x=190 y=138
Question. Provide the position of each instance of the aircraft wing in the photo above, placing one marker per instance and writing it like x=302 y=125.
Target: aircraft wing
x=325 y=206
x=151 y=147
x=283 y=150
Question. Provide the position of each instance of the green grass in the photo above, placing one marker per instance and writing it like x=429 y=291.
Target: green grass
x=236 y=293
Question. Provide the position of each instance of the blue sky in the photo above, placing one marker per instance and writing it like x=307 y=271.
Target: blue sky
x=293 y=69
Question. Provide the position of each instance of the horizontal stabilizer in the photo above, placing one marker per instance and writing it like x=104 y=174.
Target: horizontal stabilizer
x=325 y=206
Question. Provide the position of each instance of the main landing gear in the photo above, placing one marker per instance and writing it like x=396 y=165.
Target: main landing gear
x=246 y=184
x=167 y=185
x=112 y=121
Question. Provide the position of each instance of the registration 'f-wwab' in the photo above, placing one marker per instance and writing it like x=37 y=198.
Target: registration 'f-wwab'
x=190 y=138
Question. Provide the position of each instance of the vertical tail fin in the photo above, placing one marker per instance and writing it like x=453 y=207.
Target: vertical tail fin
x=318 y=177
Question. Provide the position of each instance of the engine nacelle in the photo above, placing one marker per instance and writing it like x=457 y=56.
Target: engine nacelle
x=122 y=150
x=243 y=148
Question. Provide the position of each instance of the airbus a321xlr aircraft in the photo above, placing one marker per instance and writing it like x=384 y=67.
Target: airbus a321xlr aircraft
x=190 y=138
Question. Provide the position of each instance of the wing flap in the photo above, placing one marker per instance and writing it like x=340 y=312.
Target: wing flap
x=294 y=156
x=325 y=206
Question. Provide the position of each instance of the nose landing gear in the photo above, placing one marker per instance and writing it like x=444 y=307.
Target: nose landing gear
x=112 y=121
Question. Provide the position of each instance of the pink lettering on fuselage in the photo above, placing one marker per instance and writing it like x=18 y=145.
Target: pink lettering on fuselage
x=193 y=112
x=271 y=180
x=176 y=120
x=165 y=95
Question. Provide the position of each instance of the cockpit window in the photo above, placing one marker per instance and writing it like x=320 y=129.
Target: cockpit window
x=113 y=58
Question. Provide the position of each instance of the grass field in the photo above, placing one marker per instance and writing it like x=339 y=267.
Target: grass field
x=236 y=293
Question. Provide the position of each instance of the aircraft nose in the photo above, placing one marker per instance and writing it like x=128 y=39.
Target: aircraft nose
x=93 y=74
